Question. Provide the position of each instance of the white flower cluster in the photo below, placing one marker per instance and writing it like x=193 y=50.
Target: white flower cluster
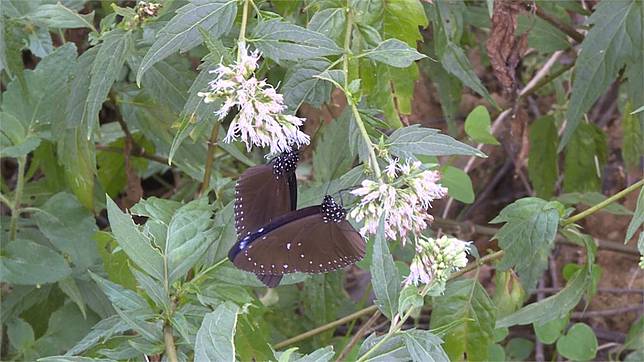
x=403 y=198
x=436 y=259
x=261 y=120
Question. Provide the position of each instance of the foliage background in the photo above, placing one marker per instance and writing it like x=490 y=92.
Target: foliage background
x=100 y=114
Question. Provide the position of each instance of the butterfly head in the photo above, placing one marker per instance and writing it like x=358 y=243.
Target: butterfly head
x=332 y=211
x=285 y=162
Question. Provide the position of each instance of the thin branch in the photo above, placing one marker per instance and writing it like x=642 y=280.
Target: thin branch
x=569 y=30
x=358 y=336
x=210 y=157
x=170 y=348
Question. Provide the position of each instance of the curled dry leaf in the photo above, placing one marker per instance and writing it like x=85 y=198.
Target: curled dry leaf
x=503 y=47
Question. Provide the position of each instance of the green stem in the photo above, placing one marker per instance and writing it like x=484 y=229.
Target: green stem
x=241 y=41
x=210 y=157
x=170 y=348
x=208 y=270
x=603 y=204
x=20 y=183
x=354 y=109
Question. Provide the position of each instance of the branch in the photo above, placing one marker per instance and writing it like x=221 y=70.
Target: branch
x=170 y=348
x=210 y=157
x=569 y=30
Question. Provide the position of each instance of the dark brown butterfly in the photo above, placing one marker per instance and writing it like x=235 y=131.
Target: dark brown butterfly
x=263 y=193
x=315 y=239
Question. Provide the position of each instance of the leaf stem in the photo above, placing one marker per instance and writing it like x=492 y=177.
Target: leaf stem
x=208 y=270
x=354 y=108
x=170 y=348
x=210 y=157
x=603 y=204
x=20 y=183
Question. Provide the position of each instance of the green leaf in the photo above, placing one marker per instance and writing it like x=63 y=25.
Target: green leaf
x=115 y=262
x=14 y=138
x=424 y=346
x=528 y=236
x=638 y=218
x=519 y=349
x=181 y=33
x=633 y=137
x=321 y=355
x=466 y=302
x=301 y=85
x=586 y=155
x=153 y=289
x=77 y=156
x=280 y=41
x=70 y=227
x=251 y=337
x=105 y=71
x=66 y=326
x=321 y=298
x=331 y=158
x=542 y=157
x=553 y=307
x=418 y=140
x=549 y=331
x=70 y=288
x=395 y=53
x=509 y=294
x=136 y=245
x=168 y=82
x=102 y=330
x=393 y=349
x=159 y=209
x=635 y=336
x=214 y=340
x=409 y=298
x=592 y=198
x=615 y=36
x=450 y=89
x=458 y=183
x=385 y=279
x=496 y=351
x=456 y=63
x=40 y=43
x=122 y=298
x=73 y=359
x=20 y=333
x=27 y=262
x=579 y=344
x=330 y=22
x=479 y=126
x=62 y=17
x=543 y=36
x=189 y=236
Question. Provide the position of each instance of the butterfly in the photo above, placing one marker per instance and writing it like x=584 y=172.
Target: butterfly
x=275 y=239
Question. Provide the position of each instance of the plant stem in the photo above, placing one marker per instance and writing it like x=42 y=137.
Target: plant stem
x=20 y=183
x=241 y=41
x=170 y=348
x=326 y=327
x=354 y=108
x=603 y=204
x=208 y=270
x=210 y=157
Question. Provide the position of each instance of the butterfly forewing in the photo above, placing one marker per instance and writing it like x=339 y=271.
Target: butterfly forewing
x=261 y=196
x=306 y=244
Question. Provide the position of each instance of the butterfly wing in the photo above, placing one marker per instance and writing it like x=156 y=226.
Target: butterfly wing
x=306 y=244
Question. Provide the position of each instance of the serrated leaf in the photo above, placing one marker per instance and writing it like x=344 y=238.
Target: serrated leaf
x=553 y=307
x=301 y=85
x=638 y=217
x=458 y=183
x=542 y=157
x=409 y=298
x=393 y=349
x=29 y=263
x=102 y=330
x=586 y=154
x=14 y=138
x=456 y=63
x=527 y=236
x=418 y=140
x=189 y=236
x=122 y=298
x=332 y=155
x=105 y=70
x=579 y=344
x=150 y=332
x=478 y=125
x=136 y=245
x=214 y=340
x=39 y=42
x=615 y=36
x=62 y=17
x=395 y=53
x=423 y=346
x=153 y=289
x=70 y=228
x=465 y=302
x=181 y=33
x=280 y=41
x=385 y=279
x=168 y=82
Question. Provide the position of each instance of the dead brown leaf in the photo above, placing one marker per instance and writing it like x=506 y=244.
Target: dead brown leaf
x=503 y=47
